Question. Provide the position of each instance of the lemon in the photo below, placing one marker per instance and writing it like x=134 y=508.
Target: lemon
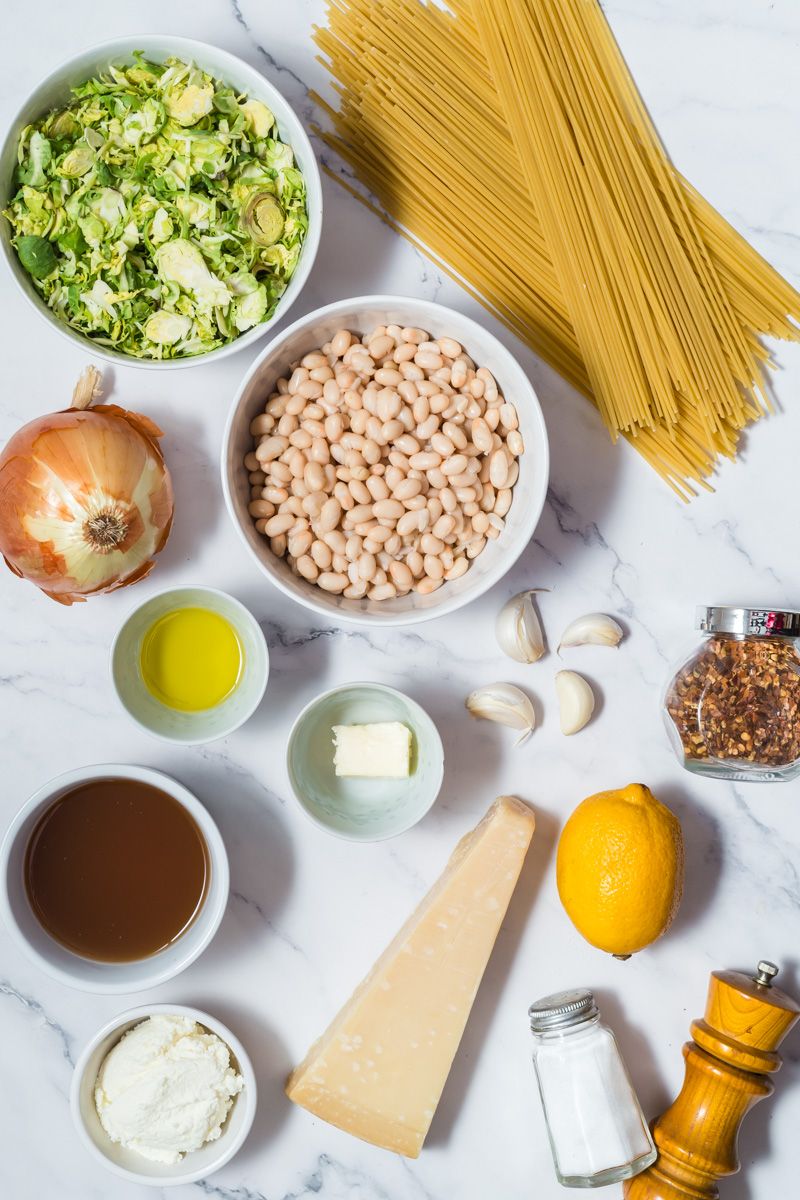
x=620 y=869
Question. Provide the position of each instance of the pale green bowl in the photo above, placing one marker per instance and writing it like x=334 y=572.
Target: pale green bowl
x=189 y=728
x=363 y=810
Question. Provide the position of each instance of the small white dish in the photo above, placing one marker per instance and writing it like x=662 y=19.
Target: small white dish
x=54 y=91
x=206 y=725
x=83 y=973
x=127 y=1163
x=363 y=810
x=359 y=316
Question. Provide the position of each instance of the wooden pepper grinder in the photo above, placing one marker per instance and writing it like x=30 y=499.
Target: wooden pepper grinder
x=727 y=1069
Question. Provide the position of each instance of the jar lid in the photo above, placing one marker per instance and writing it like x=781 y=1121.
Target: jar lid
x=562 y=1009
x=756 y=622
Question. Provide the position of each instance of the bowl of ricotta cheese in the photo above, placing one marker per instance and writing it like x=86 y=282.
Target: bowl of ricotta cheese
x=163 y=1095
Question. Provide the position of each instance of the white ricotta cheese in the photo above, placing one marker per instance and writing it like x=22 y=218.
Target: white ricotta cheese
x=166 y=1088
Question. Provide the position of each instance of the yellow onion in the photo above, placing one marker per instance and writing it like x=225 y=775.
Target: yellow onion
x=85 y=498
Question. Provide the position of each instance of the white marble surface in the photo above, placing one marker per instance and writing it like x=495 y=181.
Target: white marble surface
x=308 y=914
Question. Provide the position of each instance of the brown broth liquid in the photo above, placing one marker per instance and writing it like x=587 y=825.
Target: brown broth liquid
x=116 y=870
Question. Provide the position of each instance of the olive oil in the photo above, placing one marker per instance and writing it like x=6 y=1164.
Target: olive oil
x=191 y=659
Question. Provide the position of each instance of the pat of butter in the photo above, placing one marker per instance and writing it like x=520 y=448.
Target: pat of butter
x=378 y=751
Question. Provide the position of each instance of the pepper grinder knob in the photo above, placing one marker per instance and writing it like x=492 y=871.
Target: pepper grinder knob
x=766 y=973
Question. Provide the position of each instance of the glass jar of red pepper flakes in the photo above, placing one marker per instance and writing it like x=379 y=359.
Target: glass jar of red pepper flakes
x=733 y=709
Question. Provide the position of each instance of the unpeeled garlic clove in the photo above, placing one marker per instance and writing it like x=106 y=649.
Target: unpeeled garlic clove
x=575 y=701
x=506 y=704
x=519 y=630
x=594 y=629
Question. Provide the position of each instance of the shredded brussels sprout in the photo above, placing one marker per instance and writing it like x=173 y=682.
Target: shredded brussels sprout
x=130 y=210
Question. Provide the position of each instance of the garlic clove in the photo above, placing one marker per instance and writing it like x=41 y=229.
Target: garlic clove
x=519 y=630
x=593 y=629
x=575 y=701
x=505 y=704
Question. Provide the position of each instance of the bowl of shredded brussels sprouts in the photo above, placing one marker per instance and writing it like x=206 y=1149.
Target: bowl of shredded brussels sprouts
x=161 y=203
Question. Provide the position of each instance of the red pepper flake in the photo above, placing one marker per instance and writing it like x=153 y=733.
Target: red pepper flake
x=739 y=699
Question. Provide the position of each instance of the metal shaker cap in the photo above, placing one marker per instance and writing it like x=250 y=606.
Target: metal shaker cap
x=562 y=1009
x=744 y=622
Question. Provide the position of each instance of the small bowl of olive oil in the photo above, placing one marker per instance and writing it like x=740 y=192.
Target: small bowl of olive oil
x=190 y=665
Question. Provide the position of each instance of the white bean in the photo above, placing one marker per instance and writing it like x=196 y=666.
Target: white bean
x=388 y=509
x=407 y=444
x=426 y=585
x=429 y=360
x=442 y=444
x=498 y=469
x=332 y=581
x=456 y=464
x=271 y=447
x=448 y=499
x=359 y=514
x=425 y=460
x=456 y=434
x=329 y=517
x=340 y=342
x=407 y=524
x=377 y=487
x=342 y=493
x=367 y=566
x=400 y=574
x=387 y=377
x=433 y=566
x=280 y=523
x=260 y=508
x=430 y=544
x=459 y=568
x=415 y=563
x=503 y=502
x=383 y=591
x=300 y=543
x=380 y=346
x=407 y=489
x=322 y=555
x=307 y=567
x=262 y=424
x=360 y=492
x=449 y=347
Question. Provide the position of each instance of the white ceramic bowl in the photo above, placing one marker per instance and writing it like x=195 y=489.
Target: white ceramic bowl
x=189 y=728
x=83 y=973
x=54 y=91
x=363 y=810
x=127 y=1163
x=360 y=315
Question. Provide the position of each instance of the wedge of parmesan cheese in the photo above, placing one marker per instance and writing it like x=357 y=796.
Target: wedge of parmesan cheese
x=379 y=1070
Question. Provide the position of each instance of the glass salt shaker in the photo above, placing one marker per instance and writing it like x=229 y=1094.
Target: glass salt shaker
x=597 y=1132
x=732 y=709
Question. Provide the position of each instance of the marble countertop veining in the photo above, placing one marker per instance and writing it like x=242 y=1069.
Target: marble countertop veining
x=308 y=914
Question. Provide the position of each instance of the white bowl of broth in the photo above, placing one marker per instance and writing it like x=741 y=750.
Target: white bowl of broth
x=114 y=878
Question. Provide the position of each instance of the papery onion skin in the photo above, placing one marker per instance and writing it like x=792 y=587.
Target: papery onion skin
x=95 y=473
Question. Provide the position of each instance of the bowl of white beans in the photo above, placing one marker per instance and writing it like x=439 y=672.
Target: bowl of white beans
x=385 y=460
